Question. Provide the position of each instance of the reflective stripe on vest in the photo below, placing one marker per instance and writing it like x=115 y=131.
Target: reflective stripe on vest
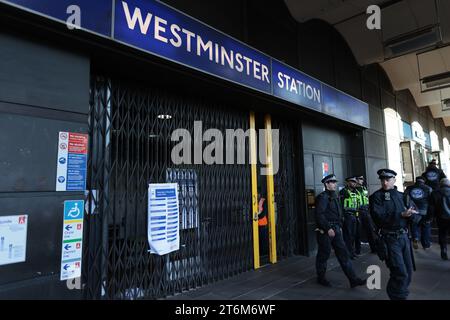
x=350 y=200
x=363 y=196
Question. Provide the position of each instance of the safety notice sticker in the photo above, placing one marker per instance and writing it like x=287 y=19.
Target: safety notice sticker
x=71 y=162
x=13 y=239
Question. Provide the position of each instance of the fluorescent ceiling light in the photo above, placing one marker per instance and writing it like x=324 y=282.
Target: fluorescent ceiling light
x=411 y=42
x=437 y=81
x=164 y=116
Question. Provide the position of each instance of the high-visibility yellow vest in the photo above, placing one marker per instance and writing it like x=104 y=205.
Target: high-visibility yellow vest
x=363 y=196
x=350 y=200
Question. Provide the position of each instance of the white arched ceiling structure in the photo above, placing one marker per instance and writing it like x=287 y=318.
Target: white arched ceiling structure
x=426 y=21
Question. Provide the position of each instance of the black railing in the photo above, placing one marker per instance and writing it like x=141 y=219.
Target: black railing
x=130 y=146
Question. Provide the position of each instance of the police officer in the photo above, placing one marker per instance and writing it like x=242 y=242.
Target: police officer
x=440 y=206
x=350 y=204
x=329 y=234
x=433 y=175
x=389 y=213
x=420 y=194
x=364 y=216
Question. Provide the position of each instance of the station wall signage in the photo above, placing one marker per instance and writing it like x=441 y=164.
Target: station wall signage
x=161 y=30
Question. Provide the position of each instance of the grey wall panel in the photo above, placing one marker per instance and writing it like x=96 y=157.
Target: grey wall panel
x=316 y=58
x=423 y=120
x=28 y=151
x=44 y=236
x=309 y=169
x=371 y=94
x=373 y=165
x=324 y=140
x=356 y=166
x=387 y=100
x=42 y=288
x=376 y=119
x=375 y=145
x=413 y=116
x=37 y=277
x=38 y=75
x=431 y=125
x=348 y=75
x=370 y=73
x=404 y=111
x=340 y=168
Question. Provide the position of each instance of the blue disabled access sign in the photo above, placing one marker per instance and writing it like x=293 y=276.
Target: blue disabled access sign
x=72 y=239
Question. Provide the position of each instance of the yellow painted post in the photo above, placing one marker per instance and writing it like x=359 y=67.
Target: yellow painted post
x=256 y=258
x=270 y=191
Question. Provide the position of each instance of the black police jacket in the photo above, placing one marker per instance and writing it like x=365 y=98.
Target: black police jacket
x=440 y=204
x=328 y=210
x=433 y=176
x=386 y=209
x=418 y=195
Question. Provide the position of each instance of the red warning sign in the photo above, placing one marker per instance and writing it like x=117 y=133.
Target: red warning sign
x=78 y=143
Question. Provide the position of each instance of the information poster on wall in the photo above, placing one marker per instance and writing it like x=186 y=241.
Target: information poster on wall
x=325 y=169
x=163 y=218
x=13 y=239
x=72 y=240
x=72 y=162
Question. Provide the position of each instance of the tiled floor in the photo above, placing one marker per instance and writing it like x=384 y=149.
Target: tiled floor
x=294 y=279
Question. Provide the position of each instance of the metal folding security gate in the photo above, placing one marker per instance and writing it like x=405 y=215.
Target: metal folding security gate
x=287 y=227
x=130 y=147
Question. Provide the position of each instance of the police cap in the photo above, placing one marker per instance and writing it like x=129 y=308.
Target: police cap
x=421 y=178
x=351 y=178
x=386 y=173
x=330 y=177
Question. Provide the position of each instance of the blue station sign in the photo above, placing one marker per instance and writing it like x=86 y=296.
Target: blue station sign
x=161 y=30
x=156 y=28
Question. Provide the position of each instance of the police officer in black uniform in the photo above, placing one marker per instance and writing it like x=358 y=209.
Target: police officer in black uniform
x=420 y=194
x=329 y=234
x=433 y=175
x=440 y=207
x=389 y=213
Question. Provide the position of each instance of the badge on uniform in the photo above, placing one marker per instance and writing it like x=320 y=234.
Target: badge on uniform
x=387 y=196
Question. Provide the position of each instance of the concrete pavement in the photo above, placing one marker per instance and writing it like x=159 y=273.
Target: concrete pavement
x=295 y=279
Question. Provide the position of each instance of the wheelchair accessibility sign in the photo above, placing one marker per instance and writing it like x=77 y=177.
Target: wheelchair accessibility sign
x=73 y=210
x=72 y=240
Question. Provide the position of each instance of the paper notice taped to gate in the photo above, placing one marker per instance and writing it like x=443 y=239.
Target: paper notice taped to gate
x=163 y=218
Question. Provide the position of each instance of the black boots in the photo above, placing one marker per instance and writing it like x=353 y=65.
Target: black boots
x=444 y=254
x=357 y=282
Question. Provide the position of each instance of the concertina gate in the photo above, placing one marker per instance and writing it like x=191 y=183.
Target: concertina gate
x=130 y=147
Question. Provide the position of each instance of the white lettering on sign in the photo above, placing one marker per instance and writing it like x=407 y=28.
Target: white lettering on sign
x=298 y=87
x=177 y=36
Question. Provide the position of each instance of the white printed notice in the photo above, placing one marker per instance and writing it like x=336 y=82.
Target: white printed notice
x=163 y=218
x=13 y=239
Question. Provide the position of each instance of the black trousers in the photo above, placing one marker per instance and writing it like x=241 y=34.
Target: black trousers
x=325 y=243
x=400 y=266
x=368 y=226
x=444 y=231
x=351 y=234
